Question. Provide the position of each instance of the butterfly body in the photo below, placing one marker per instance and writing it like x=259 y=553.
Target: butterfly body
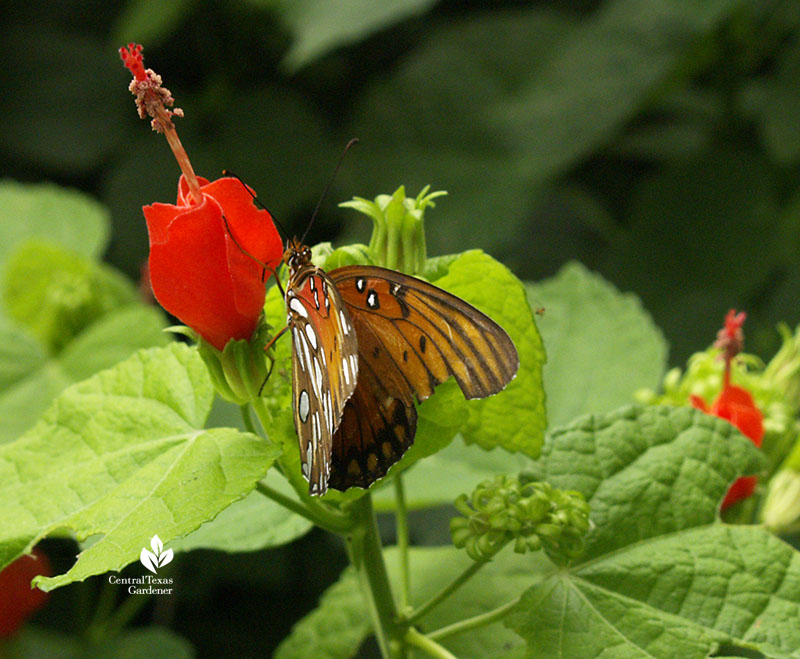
x=368 y=343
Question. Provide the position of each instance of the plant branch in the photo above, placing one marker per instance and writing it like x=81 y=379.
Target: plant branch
x=476 y=621
x=445 y=592
x=366 y=556
x=427 y=645
x=401 y=517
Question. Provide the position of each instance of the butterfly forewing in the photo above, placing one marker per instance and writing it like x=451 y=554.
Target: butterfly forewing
x=324 y=367
x=424 y=334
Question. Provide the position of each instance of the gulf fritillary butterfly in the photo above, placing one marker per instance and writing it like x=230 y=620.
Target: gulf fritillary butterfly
x=365 y=342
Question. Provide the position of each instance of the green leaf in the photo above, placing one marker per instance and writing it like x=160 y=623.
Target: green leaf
x=776 y=108
x=585 y=371
x=253 y=523
x=51 y=122
x=124 y=456
x=647 y=471
x=61 y=216
x=515 y=418
x=338 y=626
x=678 y=595
x=30 y=378
x=407 y=119
x=335 y=629
x=661 y=577
x=319 y=26
x=57 y=293
x=590 y=83
x=149 y=22
x=152 y=642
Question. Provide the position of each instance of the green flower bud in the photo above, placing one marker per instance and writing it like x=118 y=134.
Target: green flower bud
x=533 y=515
x=781 y=510
x=240 y=369
x=398 y=233
x=783 y=369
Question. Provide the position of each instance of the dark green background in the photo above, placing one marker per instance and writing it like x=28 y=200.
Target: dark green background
x=655 y=141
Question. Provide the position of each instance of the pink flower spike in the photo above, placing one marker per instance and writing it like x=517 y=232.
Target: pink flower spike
x=132 y=58
x=730 y=339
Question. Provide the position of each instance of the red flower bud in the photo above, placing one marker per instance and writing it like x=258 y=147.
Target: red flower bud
x=18 y=601
x=198 y=272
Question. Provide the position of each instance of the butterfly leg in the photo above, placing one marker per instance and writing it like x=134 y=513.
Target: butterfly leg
x=272 y=365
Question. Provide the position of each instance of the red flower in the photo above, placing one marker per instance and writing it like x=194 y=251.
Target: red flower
x=198 y=272
x=18 y=601
x=734 y=403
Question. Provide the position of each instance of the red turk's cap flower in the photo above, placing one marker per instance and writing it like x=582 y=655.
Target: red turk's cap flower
x=198 y=272
x=18 y=601
x=735 y=404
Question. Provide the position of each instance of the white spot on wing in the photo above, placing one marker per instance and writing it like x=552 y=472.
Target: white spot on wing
x=312 y=336
x=297 y=306
x=303 y=406
x=346 y=371
x=345 y=324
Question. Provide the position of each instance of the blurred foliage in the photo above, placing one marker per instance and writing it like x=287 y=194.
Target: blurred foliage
x=655 y=141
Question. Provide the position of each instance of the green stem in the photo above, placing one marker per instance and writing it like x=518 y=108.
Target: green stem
x=247 y=420
x=330 y=520
x=427 y=645
x=366 y=556
x=445 y=592
x=401 y=517
x=476 y=621
x=319 y=513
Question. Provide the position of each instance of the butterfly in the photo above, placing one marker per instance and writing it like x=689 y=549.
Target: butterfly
x=367 y=342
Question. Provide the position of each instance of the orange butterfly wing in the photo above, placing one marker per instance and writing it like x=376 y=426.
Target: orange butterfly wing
x=324 y=368
x=412 y=336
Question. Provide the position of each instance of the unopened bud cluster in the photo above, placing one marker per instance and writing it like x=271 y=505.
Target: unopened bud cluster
x=533 y=514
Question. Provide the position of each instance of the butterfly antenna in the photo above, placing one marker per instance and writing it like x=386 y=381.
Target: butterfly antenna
x=256 y=200
x=349 y=146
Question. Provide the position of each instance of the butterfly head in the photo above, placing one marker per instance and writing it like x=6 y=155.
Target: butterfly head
x=296 y=254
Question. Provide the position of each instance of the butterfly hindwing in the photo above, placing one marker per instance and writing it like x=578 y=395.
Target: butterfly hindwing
x=324 y=368
x=376 y=430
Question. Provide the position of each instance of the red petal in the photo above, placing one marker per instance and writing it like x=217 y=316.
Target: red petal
x=189 y=271
x=698 y=403
x=737 y=406
x=741 y=489
x=19 y=601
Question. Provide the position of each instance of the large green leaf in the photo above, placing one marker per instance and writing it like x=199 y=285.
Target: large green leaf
x=586 y=372
x=122 y=457
x=319 y=26
x=251 y=524
x=515 y=418
x=661 y=575
x=600 y=76
x=51 y=122
x=30 y=378
x=60 y=216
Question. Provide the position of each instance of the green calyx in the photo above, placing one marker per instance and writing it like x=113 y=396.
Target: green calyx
x=239 y=371
x=532 y=514
x=398 y=233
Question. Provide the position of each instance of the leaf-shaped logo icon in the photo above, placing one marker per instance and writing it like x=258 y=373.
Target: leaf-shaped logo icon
x=157 y=558
x=165 y=558
x=149 y=560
